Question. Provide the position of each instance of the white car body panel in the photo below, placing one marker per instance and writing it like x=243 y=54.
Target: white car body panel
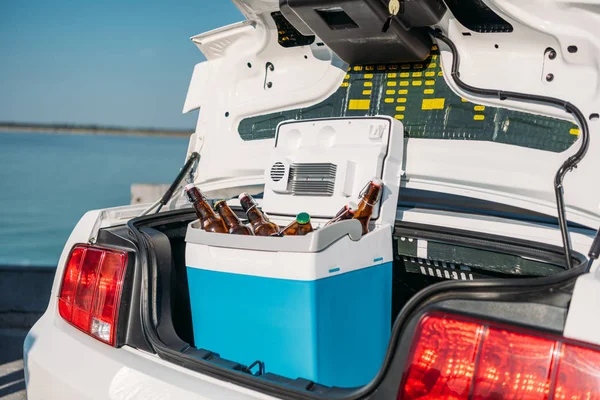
x=62 y=362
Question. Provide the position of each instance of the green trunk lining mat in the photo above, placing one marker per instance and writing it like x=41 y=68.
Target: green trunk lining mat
x=418 y=95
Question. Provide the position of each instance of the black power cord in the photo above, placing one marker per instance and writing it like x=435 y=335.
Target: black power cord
x=567 y=166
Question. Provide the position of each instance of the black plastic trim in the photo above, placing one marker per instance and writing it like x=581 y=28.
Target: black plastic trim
x=477 y=16
x=129 y=327
x=387 y=380
x=549 y=253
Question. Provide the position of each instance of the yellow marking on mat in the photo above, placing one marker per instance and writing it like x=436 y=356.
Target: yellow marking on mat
x=391 y=83
x=355 y=104
x=344 y=84
x=479 y=108
x=430 y=73
x=429 y=82
x=381 y=68
x=418 y=65
x=479 y=117
x=389 y=100
x=428 y=91
x=417 y=74
x=391 y=75
x=403 y=83
x=574 y=131
x=404 y=75
x=347 y=76
x=417 y=83
x=402 y=91
x=368 y=76
x=405 y=66
x=433 y=104
x=399 y=116
x=358 y=67
x=441 y=73
x=366 y=92
x=432 y=65
x=370 y=68
x=434 y=57
x=464 y=100
x=393 y=67
x=390 y=91
x=434 y=47
x=401 y=100
x=400 y=108
x=368 y=84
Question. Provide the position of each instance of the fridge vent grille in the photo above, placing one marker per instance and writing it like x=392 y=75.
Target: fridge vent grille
x=315 y=179
x=277 y=171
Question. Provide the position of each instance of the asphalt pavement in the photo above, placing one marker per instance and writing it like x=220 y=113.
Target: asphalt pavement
x=12 y=380
x=24 y=295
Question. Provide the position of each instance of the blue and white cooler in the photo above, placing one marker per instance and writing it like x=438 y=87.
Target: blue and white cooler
x=318 y=306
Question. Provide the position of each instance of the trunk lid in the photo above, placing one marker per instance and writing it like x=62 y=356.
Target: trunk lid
x=263 y=71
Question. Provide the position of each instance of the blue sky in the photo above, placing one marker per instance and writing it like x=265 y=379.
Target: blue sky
x=102 y=62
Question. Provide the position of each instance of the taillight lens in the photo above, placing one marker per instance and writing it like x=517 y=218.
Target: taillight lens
x=456 y=358
x=90 y=293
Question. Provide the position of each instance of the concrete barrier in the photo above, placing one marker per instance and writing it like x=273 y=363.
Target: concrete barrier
x=24 y=295
x=147 y=192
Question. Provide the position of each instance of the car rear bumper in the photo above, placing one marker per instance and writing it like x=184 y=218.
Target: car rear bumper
x=62 y=363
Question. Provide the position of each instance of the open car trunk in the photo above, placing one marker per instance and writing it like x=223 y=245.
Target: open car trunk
x=500 y=275
x=462 y=118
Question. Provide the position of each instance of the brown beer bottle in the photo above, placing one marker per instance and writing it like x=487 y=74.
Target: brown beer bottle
x=259 y=222
x=345 y=213
x=232 y=222
x=369 y=197
x=209 y=221
x=300 y=227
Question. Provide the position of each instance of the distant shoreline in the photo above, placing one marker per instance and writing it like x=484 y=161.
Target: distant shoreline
x=90 y=130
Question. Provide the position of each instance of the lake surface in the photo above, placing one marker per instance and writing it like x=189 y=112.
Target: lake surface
x=48 y=181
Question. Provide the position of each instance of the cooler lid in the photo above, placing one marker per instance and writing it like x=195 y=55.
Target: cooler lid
x=318 y=166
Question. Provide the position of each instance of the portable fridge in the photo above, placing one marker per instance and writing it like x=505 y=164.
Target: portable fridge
x=318 y=306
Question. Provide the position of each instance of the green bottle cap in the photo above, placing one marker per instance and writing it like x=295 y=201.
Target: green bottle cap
x=303 y=218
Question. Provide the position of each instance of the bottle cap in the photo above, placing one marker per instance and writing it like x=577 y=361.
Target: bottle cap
x=303 y=218
x=242 y=195
x=352 y=207
x=377 y=182
x=188 y=186
x=218 y=202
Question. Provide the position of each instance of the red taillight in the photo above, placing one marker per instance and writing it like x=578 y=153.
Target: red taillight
x=456 y=358
x=91 y=290
x=442 y=368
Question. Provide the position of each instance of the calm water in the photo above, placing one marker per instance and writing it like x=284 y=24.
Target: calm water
x=48 y=181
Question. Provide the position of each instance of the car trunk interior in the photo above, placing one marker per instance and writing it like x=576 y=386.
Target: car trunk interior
x=452 y=255
x=422 y=255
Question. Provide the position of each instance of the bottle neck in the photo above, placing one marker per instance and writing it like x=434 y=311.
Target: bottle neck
x=228 y=215
x=203 y=209
x=305 y=228
x=371 y=195
x=254 y=214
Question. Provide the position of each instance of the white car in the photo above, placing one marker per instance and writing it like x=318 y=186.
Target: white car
x=478 y=279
